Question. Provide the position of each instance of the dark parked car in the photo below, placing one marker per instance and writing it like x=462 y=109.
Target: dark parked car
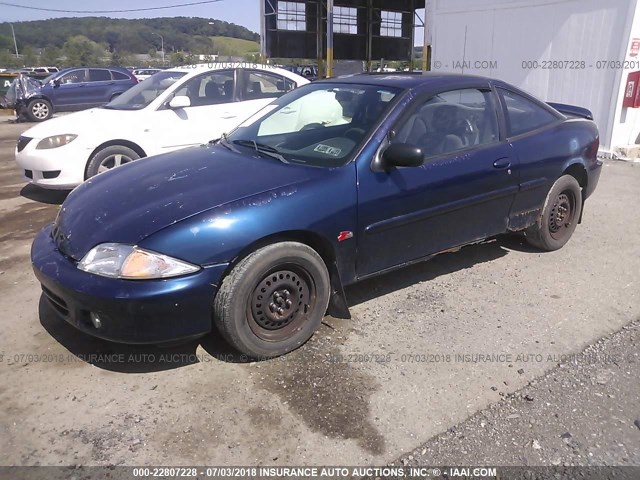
x=257 y=233
x=78 y=88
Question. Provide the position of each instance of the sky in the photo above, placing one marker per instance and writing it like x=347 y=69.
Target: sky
x=240 y=12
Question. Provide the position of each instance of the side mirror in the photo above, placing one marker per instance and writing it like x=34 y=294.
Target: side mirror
x=179 y=101
x=55 y=82
x=402 y=155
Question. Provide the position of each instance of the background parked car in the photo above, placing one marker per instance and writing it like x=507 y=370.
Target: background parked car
x=78 y=88
x=40 y=72
x=144 y=73
x=172 y=109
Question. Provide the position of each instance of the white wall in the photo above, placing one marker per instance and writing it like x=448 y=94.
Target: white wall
x=510 y=32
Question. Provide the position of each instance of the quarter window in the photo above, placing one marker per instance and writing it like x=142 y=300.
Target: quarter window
x=524 y=115
x=451 y=121
x=119 y=75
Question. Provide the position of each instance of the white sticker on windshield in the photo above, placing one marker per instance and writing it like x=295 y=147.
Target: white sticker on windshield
x=333 y=151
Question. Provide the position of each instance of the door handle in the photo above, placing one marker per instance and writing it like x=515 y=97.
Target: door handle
x=502 y=163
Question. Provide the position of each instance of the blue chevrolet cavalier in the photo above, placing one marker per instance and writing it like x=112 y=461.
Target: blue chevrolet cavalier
x=257 y=233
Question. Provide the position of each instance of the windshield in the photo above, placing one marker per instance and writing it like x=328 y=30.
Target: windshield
x=320 y=124
x=142 y=94
x=49 y=78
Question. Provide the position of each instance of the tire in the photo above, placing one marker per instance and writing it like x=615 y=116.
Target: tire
x=273 y=273
x=39 y=110
x=109 y=158
x=560 y=216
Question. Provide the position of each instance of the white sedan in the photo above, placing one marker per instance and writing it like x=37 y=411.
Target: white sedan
x=144 y=73
x=172 y=109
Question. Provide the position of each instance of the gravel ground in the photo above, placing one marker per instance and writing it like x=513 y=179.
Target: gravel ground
x=585 y=412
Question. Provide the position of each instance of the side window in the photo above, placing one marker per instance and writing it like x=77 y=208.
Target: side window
x=74 y=76
x=210 y=89
x=119 y=75
x=523 y=115
x=451 y=121
x=99 y=75
x=265 y=85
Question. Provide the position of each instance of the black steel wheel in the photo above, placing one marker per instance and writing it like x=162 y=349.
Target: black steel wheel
x=273 y=300
x=560 y=215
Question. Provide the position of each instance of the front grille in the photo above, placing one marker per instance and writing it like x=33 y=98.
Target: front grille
x=28 y=174
x=56 y=302
x=51 y=174
x=22 y=142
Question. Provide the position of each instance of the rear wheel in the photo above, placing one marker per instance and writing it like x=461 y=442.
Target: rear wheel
x=39 y=110
x=560 y=215
x=273 y=300
x=109 y=158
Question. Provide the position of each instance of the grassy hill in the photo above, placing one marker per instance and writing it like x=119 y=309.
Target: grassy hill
x=181 y=34
x=234 y=46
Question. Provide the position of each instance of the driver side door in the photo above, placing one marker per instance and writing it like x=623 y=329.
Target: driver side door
x=211 y=96
x=461 y=193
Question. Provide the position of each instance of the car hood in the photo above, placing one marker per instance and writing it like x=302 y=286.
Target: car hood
x=136 y=200
x=80 y=122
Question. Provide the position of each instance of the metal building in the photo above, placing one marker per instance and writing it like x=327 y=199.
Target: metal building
x=366 y=30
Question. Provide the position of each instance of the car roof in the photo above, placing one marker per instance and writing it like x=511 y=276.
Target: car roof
x=408 y=80
x=195 y=69
x=118 y=69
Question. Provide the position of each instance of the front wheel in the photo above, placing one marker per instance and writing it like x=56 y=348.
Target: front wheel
x=109 y=158
x=560 y=215
x=273 y=300
x=39 y=110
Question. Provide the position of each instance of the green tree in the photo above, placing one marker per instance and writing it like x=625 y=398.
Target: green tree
x=79 y=50
x=50 y=56
x=177 y=58
x=29 y=57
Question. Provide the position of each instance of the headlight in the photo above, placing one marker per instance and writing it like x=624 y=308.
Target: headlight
x=55 y=141
x=129 y=262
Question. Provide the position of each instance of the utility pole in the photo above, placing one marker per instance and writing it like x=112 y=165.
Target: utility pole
x=15 y=44
x=161 y=45
x=329 y=38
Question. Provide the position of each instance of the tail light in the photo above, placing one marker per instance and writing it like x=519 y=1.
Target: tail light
x=592 y=150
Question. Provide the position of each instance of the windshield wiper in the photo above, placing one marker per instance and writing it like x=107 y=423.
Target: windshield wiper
x=267 y=150
x=224 y=141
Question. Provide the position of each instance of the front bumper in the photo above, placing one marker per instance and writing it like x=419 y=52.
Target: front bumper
x=140 y=311
x=55 y=168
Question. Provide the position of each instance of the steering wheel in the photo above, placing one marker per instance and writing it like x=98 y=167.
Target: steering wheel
x=467 y=130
